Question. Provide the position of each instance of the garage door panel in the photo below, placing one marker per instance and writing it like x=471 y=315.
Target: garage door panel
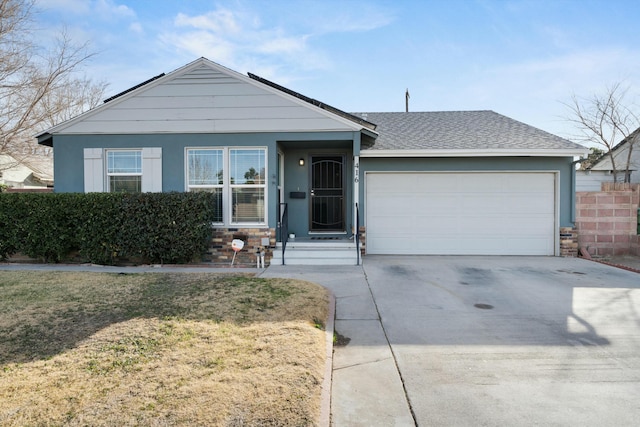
x=437 y=184
x=413 y=224
x=479 y=226
x=480 y=203
x=536 y=245
x=480 y=183
x=541 y=183
x=461 y=213
x=435 y=203
x=529 y=206
x=530 y=226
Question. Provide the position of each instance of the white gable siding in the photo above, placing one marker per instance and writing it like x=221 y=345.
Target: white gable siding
x=621 y=157
x=206 y=100
x=591 y=180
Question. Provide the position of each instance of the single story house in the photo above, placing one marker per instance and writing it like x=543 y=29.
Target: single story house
x=30 y=174
x=601 y=170
x=459 y=182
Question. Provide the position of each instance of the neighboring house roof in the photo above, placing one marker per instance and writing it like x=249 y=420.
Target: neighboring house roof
x=42 y=167
x=34 y=171
x=450 y=133
x=620 y=154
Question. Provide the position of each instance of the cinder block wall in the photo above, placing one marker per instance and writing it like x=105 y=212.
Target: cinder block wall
x=607 y=220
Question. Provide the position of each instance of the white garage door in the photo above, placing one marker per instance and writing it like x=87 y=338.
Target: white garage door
x=476 y=213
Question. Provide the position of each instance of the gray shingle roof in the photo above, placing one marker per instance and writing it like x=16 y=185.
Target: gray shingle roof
x=459 y=130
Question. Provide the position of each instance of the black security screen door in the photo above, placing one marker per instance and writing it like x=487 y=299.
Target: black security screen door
x=327 y=193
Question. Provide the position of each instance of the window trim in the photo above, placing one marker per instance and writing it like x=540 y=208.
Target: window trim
x=108 y=174
x=189 y=187
x=227 y=187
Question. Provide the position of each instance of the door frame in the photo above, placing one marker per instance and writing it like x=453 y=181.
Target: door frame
x=343 y=161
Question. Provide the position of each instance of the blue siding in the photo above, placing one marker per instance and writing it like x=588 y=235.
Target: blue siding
x=69 y=173
x=69 y=162
x=469 y=164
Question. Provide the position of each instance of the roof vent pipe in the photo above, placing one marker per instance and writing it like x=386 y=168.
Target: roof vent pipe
x=406 y=100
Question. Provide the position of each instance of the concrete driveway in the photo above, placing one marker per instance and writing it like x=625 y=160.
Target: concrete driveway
x=506 y=340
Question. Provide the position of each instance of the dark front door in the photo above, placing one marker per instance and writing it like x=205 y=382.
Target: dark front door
x=327 y=193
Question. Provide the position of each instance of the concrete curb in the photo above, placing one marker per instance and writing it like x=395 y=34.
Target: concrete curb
x=155 y=268
x=623 y=267
x=584 y=253
x=325 y=397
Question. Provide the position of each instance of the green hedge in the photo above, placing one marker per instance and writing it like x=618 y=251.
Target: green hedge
x=107 y=228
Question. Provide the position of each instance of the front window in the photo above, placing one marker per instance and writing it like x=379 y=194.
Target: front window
x=124 y=171
x=206 y=173
x=247 y=181
x=236 y=176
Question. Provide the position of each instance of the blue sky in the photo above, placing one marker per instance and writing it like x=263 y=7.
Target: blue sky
x=522 y=59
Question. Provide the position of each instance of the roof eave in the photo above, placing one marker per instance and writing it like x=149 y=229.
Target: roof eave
x=474 y=153
x=369 y=132
x=359 y=120
x=45 y=138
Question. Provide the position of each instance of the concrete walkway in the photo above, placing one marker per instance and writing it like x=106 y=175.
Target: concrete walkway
x=367 y=389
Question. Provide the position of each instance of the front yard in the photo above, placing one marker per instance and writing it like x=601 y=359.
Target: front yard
x=159 y=349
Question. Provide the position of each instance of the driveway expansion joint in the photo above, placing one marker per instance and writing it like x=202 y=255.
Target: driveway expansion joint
x=368 y=362
x=393 y=355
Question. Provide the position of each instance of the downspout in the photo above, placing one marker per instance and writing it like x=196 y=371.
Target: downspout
x=573 y=188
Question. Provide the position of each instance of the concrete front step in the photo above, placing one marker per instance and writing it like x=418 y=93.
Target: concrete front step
x=314 y=261
x=316 y=253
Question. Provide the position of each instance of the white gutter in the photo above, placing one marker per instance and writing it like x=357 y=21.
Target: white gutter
x=486 y=152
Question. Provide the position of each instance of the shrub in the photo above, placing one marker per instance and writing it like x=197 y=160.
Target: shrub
x=107 y=227
x=38 y=225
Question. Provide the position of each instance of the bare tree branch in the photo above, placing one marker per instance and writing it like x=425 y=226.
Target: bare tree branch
x=606 y=119
x=38 y=87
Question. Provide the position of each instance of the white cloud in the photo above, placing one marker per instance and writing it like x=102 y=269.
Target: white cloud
x=79 y=7
x=241 y=39
x=283 y=45
x=358 y=17
x=534 y=90
x=202 y=43
x=237 y=40
x=136 y=27
x=221 y=20
x=104 y=9
x=585 y=70
x=108 y=9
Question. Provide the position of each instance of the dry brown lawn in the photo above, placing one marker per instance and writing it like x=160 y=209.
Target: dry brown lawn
x=159 y=349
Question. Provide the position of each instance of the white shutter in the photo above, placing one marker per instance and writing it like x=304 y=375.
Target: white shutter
x=93 y=170
x=152 y=170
